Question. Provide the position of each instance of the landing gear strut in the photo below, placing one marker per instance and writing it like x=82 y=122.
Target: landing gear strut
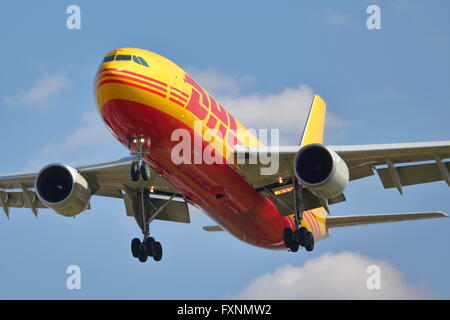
x=301 y=236
x=139 y=168
x=144 y=213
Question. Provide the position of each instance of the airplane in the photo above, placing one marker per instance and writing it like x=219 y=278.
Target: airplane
x=143 y=98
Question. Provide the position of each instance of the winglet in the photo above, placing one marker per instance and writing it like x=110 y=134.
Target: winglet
x=315 y=124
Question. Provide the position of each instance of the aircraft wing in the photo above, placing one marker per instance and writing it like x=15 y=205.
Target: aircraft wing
x=107 y=179
x=397 y=165
x=345 y=221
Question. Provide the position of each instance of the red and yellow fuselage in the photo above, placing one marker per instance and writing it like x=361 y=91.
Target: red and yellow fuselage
x=155 y=97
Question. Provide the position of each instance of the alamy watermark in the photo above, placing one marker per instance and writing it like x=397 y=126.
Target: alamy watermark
x=373 y=282
x=373 y=22
x=207 y=147
x=73 y=281
x=73 y=21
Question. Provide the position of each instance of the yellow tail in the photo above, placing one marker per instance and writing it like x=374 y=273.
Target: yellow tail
x=315 y=123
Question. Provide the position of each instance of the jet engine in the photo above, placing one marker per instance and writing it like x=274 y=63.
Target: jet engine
x=63 y=189
x=321 y=170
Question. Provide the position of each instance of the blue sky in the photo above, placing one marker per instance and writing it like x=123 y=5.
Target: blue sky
x=381 y=86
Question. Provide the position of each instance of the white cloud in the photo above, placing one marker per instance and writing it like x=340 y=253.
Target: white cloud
x=332 y=276
x=336 y=18
x=86 y=143
x=44 y=88
x=216 y=82
x=286 y=110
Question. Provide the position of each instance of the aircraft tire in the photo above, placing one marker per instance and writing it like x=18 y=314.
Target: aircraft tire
x=158 y=253
x=310 y=242
x=142 y=258
x=287 y=237
x=135 y=247
x=150 y=246
x=135 y=171
x=145 y=171
x=294 y=247
x=302 y=236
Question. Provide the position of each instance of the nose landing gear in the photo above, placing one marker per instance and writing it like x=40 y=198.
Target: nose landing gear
x=139 y=168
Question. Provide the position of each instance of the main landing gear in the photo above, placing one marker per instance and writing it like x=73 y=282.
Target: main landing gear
x=144 y=213
x=301 y=236
x=143 y=208
x=139 y=168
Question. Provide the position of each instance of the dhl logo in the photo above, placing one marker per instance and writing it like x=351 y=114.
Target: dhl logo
x=199 y=103
x=203 y=106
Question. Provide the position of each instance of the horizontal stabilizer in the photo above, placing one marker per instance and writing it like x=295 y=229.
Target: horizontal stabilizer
x=212 y=228
x=345 y=221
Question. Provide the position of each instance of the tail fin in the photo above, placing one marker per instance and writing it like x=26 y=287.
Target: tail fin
x=315 y=123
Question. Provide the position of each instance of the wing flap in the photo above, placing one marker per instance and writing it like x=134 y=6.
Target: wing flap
x=377 y=154
x=345 y=221
x=410 y=175
x=17 y=200
x=213 y=228
x=175 y=211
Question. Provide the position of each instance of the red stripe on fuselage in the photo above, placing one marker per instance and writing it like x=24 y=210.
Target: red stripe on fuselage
x=316 y=222
x=310 y=219
x=130 y=84
x=121 y=76
x=176 y=101
x=179 y=91
x=134 y=74
x=178 y=96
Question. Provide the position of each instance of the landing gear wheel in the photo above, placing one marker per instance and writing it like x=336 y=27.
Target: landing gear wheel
x=287 y=237
x=310 y=242
x=158 y=253
x=145 y=171
x=150 y=246
x=142 y=257
x=135 y=247
x=135 y=171
x=301 y=236
x=294 y=247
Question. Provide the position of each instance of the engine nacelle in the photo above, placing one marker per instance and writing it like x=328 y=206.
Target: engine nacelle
x=321 y=170
x=63 y=189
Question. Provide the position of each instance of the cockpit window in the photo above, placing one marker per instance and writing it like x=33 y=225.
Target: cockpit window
x=108 y=58
x=144 y=63
x=135 y=59
x=123 y=57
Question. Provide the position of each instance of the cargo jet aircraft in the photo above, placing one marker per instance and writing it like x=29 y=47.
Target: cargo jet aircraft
x=144 y=98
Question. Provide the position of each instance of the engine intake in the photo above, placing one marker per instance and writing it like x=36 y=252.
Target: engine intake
x=321 y=170
x=63 y=189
